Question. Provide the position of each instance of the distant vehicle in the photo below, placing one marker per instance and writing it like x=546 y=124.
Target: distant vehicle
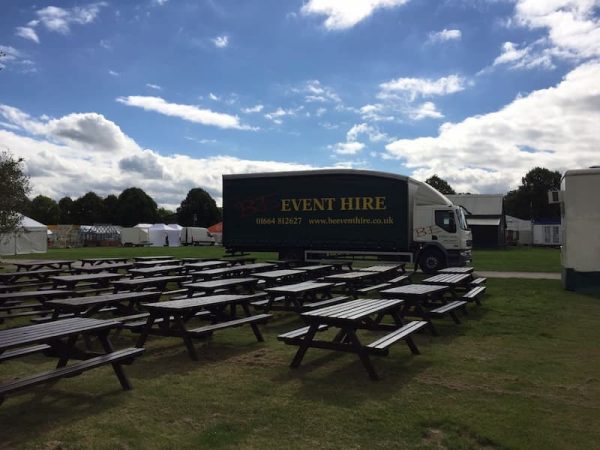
x=580 y=210
x=134 y=237
x=196 y=236
x=325 y=214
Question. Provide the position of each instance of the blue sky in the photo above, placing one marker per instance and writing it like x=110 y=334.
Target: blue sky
x=168 y=95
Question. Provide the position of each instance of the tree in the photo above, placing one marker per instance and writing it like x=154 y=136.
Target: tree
x=198 y=209
x=530 y=199
x=135 y=206
x=440 y=184
x=14 y=187
x=65 y=205
x=166 y=215
x=45 y=210
x=110 y=208
x=89 y=209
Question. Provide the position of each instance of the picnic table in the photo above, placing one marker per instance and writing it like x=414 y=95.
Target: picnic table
x=152 y=258
x=203 y=265
x=239 y=259
x=274 y=277
x=104 y=267
x=157 y=262
x=229 y=284
x=456 y=270
x=41 y=296
x=137 y=284
x=124 y=302
x=219 y=272
x=316 y=269
x=452 y=280
x=42 y=263
x=286 y=263
x=99 y=279
x=41 y=275
x=349 y=317
x=385 y=269
x=296 y=296
x=353 y=280
x=58 y=339
x=172 y=318
x=157 y=270
x=418 y=297
x=94 y=261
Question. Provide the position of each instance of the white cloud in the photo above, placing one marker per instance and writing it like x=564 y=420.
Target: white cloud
x=277 y=115
x=365 y=129
x=190 y=113
x=426 y=110
x=221 y=41
x=315 y=92
x=156 y=87
x=444 y=36
x=253 y=109
x=528 y=57
x=347 y=148
x=346 y=14
x=424 y=87
x=555 y=128
x=375 y=113
x=28 y=33
x=213 y=97
x=160 y=2
x=58 y=165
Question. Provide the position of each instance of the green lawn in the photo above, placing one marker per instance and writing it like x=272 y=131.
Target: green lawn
x=526 y=259
x=520 y=372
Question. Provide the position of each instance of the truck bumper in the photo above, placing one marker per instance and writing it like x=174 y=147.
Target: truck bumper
x=459 y=258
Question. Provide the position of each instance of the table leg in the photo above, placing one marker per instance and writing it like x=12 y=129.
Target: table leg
x=304 y=345
x=147 y=328
x=186 y=337
x=65 y=351
x=118 y=369
x=362 y=354
x=254 y=326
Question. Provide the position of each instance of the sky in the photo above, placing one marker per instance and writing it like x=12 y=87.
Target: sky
x=167 y=95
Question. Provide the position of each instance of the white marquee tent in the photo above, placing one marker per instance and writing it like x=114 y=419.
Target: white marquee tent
x=161 y=234
x=30 y=237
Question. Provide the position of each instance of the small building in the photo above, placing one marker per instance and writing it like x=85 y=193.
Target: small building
x=547 y=232
x=485 y=217
x=518 y=231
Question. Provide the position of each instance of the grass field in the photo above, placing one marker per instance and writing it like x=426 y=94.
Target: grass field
x=521 y=372
x=525 y=259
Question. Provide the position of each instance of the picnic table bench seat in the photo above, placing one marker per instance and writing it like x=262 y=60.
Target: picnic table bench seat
x=23 y=351
x=299 y=333
x=375 y=287
x=450 y=308
x=208 y=329
x=137 y=321
x=381 y=345
x=478 y=281
x=125 y=356
x=474 y=294
x=18 y=286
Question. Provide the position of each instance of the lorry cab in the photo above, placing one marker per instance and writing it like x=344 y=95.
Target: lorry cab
x=440 y=229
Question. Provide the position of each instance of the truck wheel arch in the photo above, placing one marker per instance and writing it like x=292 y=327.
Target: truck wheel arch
x=432 y=258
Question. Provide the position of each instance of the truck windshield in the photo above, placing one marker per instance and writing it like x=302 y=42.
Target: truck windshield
x=462 y=221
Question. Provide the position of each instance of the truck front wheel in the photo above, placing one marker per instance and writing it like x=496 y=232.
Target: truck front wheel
x=431 y=261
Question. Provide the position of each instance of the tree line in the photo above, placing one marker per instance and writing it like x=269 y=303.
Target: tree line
x=529 y=201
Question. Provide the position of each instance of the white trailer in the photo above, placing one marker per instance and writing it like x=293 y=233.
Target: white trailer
x=580 y=210
x=134 y=237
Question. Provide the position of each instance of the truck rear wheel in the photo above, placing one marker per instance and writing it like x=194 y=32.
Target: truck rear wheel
x=431 y=261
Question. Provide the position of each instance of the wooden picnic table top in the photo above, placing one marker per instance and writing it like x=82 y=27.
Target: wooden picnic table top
x=92 y=261
x=351 y=311
x=210 y=264
x=276 y=274
x=383 y=268
x=157 y=262
x=451 y=279
x=456 y=270
x=82 y=303
x=356 y=275
x=413 y=290
x=40 y=295
x=9 y=277
x=40 y=263
x=95 y=268
x=222 y=283
x=43 y=332
x=300 y=288
x=152 y=258
x=252 y=267
x=239 y=259
x=285 y=263
x=219 y=272
x=196 y=303
x=133 y=283
x=74 y=279
x=315 y=267
x=150 y=271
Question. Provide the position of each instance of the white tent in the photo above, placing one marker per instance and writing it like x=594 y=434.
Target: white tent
x=161 y=235
x=30 y=237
